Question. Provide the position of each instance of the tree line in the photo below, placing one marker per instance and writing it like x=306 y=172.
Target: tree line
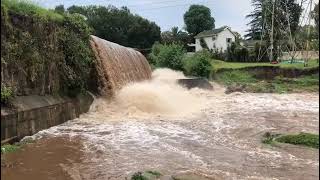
x=121 y=26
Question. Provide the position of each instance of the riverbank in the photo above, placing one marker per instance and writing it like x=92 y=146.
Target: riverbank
x=267 y=78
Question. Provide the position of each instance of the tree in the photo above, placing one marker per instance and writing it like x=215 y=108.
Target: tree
x=168 y=55
x=175 y=36
x=59 y=9
x=286 y=14
x=197 y=19
x=315 y=15
x=119 y=25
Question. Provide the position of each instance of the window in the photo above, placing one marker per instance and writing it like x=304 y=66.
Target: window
x=214 y=37
x=229 y=40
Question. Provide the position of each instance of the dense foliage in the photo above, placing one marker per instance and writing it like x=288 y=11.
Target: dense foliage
x=43 y=52
x=78 y=57
x=119 y=25
x=197 y=19
x=286 y=14
x=6 y=94
x=169 y=55
x=176 y=36
x=316 y=16
x=306 y=139
x=198 y=64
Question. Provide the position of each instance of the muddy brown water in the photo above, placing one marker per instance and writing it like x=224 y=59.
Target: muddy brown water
x=221 y=140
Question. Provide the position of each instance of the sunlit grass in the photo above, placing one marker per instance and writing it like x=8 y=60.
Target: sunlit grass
x=217 y=64
x=30 y=8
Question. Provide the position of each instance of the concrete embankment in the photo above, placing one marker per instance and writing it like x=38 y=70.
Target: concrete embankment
x=34 y=113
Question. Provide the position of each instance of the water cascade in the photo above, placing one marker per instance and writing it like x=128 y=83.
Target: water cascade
x=118 y=66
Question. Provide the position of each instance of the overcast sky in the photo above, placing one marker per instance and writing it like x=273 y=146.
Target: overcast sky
x=169 y=13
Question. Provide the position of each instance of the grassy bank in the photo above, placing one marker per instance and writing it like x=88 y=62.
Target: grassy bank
x=303 y=139
x=43 y=52
x=217 y=65
x=238 y=75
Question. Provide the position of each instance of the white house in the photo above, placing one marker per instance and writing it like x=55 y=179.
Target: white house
x=216 y=39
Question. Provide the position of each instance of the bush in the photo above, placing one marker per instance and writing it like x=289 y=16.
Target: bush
x=6 y=94
x=199 y=64
x=78 y=56
x=169 y=56
x=53 y=53
x=306 y=139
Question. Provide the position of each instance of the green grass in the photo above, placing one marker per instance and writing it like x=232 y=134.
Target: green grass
x=6 y=94
x=9 y=148
x=147 y=175
x=29 y=8
x=217 y=64
x=304 y=139
x=307 y=83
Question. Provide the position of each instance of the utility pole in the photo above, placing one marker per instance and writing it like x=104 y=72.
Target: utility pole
x=308 y=37
x=271 y=36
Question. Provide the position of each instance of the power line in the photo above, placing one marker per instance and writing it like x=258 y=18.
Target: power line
x=152 y=3
x=147 y=9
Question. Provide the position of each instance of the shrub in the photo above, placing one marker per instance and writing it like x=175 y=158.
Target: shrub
x=74 y=42
x=198 y=65
x=306 y=139
x=218 y=54
x=169 y=56
x=50 y=51
x=6 y=94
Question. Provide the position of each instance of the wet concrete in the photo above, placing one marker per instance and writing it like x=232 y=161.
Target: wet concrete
x=222 y=141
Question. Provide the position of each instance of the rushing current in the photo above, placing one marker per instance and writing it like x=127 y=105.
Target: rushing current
x=118 y=65
x=152 y=123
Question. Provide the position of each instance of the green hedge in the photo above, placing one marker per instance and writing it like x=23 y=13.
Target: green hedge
x=198 y=65
x=34 y=39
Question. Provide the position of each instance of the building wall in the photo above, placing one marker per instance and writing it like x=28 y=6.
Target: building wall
x=220 y=41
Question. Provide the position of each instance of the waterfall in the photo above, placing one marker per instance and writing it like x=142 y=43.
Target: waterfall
x=118 y=66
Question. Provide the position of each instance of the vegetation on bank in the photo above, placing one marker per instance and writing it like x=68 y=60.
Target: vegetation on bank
x=218 y=64
x=304 y=139
x=249 y=83
x=6 y=94
x=47 y=49
x=173 y=56
x=8 y=148
x=27 y=8
x=147 y=175
x=202 y=64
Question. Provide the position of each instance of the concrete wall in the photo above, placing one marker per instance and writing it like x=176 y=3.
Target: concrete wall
x=32 y=114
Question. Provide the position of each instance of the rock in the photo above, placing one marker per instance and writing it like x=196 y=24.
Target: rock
x=235 y=88
x=195 y=83
x=193 y=176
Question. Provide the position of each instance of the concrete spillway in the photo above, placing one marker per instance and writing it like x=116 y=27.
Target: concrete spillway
x=118 y=65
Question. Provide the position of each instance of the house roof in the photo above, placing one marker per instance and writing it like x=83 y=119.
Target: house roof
x=212 y=32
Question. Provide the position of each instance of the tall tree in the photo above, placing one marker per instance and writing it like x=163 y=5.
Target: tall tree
x=59 y=9
x=286 y=14
x=315 y=15
x=119 y=25
x=197 y=19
